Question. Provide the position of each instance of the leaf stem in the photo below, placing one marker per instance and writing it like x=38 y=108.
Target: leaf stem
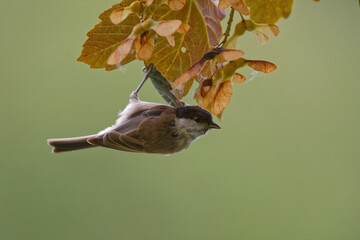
x=228 y=28
x=242 y=17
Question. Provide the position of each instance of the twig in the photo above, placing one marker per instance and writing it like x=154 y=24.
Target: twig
x=228 y=28
x=242 y=17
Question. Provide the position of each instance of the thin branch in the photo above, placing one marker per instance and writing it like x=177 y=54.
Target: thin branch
x=228 y=28
x=242 y=17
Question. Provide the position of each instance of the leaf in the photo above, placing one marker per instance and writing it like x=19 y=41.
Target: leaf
x=119 y=15
x=222 y=55
x=203 y=18
x=262 y=66
x=209 y=96
x=269 y=11
x=167 y=27
x=240 y=6
x=223 y=4
x=164 y=88
x=105 y=37
x=184 y=28
x=228 y=55
x=176 y=5
x=223 y=98
x=238 y=78
x=120 y=52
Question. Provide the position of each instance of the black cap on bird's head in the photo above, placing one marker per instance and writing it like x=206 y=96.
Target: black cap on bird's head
x=197 y=114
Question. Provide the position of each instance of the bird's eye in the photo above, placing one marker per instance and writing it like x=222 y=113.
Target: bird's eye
x=197 y=119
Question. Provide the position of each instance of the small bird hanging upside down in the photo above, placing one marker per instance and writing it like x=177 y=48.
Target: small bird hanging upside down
x=146 y=127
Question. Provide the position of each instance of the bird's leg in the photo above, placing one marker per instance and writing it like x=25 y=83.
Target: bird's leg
x=134 y=96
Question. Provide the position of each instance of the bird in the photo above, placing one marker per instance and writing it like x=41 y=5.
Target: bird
x=146 y=127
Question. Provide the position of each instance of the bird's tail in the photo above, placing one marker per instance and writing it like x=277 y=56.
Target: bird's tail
x=70 y=144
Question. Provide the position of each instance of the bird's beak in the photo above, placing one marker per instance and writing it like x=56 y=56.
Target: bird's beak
x=214 y=125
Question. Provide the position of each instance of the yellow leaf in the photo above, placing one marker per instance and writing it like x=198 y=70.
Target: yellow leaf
x=105 y=37
x=269 y=11
x=223 y=98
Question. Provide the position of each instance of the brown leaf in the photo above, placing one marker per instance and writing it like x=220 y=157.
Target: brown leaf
x=223 y=4
x=121 y=52
x=167 y=27
x=227 y=55
x=176 y=5
x=205 y=86
x=119 y=15
x=238 y=78
x=184 y=28
x=262 y=66
x=209 y=96
x=271 y=30
x=145 y=51
x=189 y=74
x=240 y=6
x=171 y=40
x=223 y=98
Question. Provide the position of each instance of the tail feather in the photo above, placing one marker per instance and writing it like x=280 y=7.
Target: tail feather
x=70 y=144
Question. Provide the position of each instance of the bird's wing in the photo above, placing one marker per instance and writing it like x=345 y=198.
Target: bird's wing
x=128 y=136
x=134 y=120
x=118 y=141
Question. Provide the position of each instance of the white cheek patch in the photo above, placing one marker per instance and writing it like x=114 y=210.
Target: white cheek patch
x=192 y=128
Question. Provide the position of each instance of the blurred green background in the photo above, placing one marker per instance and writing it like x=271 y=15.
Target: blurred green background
x=284 y=166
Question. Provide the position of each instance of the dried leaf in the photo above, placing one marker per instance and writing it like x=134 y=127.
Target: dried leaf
x=190 y=73
x=269 y=11
x=227 y=55
x=167 y=27
x=222 y=55
x=209 y=96
x=262 y=66
x=205 y=86
x=240 y=6
x=184 y=28
x=121 y=52
x=223 y=98
x=223 y=4
x=171 y=40
x=261 y=38
x=145 y=51
x=238 y=78
x=119 y=15
x=176 y=5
